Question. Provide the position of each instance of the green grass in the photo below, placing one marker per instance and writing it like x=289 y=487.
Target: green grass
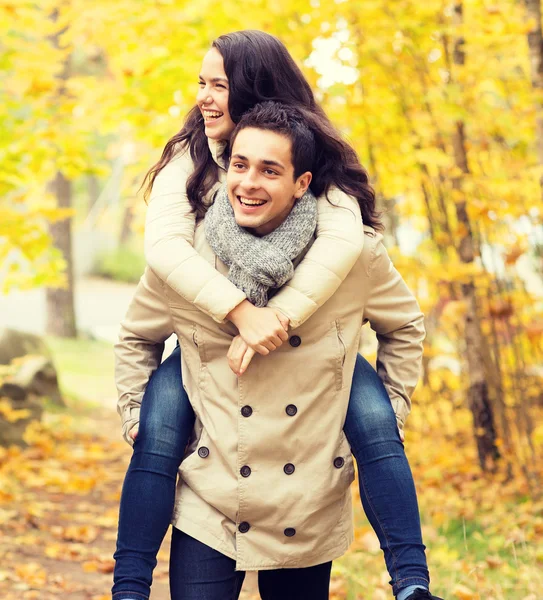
x=85 y=370
x=461 y=555
x=123 y=264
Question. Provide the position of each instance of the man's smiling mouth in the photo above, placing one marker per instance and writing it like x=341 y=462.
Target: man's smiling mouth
x=251 y=201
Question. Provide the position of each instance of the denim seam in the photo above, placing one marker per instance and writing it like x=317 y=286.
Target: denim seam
x=370 y=502
x=408 y=578
x=396 y=589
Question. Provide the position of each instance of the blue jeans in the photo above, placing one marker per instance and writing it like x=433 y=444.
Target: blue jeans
x=387 y=489
x=197 y=572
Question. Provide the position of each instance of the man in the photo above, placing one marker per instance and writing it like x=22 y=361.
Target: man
x=266 y=480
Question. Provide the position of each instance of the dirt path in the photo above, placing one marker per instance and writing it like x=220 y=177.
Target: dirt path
x=58 y=513
x=100 y=304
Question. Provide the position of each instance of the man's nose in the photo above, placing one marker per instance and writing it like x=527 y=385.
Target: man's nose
x=250 y=180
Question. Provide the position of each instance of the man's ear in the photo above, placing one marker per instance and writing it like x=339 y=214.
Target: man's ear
x=302 y=183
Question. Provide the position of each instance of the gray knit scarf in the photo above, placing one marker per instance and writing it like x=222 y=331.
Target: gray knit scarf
x=259 y=263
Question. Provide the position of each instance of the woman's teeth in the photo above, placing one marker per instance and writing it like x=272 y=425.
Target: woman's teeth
x=249 y=202
x=211 y=114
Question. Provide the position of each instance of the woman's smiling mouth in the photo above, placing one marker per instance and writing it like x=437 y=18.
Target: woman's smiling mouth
x=211 y=115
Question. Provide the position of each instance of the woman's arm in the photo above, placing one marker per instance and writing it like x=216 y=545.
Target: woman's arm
x=139 y=350
x=395 y=316
x=339 y=242
x=169 y=241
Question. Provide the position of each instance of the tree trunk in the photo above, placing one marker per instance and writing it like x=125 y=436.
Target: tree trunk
x=479 y=401
x=93 y=187
x=60 y=301
x=126 y=225
x=535 y=45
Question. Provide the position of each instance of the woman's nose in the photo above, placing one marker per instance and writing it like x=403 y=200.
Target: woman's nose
x=203 y=96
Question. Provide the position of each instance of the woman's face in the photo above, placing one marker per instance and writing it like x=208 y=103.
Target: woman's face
x=212 y=97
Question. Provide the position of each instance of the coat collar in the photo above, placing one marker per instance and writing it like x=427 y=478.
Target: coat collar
x=218 y=149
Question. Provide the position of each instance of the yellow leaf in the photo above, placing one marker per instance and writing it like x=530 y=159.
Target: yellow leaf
x=80 y=533
x=494 y=561
x=31 y=573
x=11 y=414
x=464 y=593
x=90 y=566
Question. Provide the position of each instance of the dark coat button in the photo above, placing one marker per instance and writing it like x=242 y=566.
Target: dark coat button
x=289 y=468
x=246 y=411
x=290 y=531
x=245 y=471
x=339 y=462
x=295 y=341
x=203 y=452
x=291 y=410
x=244 y=527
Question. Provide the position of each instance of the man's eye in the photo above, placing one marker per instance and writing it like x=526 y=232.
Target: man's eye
x=238 y=165
x=270 y=172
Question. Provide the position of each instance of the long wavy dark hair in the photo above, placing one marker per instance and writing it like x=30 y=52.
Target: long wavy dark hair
x=260 y=68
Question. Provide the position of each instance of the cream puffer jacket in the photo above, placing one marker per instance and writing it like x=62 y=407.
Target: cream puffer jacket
x=170 y=252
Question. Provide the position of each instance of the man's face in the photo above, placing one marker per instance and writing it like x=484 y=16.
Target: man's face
x=260 y=180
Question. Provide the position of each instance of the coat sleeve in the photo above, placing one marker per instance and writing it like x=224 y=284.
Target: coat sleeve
x=138 y=352
x=395 y=316
x=169 y=241
x=339 y=243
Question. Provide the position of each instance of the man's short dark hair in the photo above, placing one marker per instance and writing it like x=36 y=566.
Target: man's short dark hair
x=285 y=120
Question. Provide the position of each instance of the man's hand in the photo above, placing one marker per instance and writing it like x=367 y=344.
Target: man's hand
x=263 y=329
x=239 y=355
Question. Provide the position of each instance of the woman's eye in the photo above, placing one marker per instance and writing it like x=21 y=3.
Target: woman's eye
x=201 y=83
x=238 y=165
x=219 y=85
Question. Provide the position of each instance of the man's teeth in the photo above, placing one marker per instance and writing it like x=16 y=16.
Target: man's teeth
x=211 y=114
x=249 y=202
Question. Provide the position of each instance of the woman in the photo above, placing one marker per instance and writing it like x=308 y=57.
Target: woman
x=242 y=69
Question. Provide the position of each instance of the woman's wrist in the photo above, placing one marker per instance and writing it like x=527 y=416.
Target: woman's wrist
x=239 y=311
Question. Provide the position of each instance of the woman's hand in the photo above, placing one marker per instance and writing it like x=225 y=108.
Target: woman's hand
x=263 y=329
x=239 y=355
x=133 y=433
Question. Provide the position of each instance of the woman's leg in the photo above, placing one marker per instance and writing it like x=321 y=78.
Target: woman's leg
x=148 y=495
x=309 y=583
x=387 y=489
x=197 y=572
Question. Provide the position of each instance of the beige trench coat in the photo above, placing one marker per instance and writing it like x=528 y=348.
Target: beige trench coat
x=267 y=479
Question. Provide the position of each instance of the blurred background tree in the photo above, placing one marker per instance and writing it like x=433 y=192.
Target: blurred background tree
x=442 y=101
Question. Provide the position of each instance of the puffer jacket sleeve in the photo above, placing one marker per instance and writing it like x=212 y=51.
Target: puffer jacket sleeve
x=139 y=350
x=169 y=241
x=395 y=316
x=339 y=243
